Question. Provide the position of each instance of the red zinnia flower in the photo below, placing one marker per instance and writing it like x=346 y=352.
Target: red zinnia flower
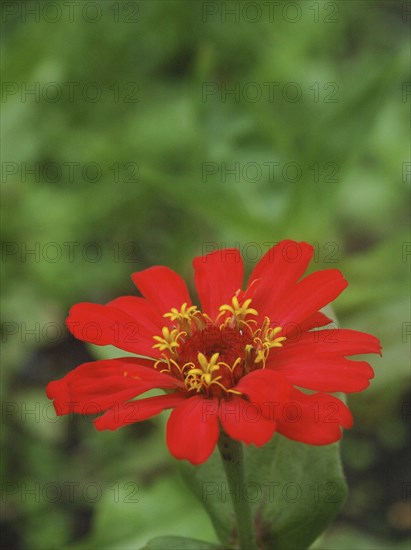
x=234 y=363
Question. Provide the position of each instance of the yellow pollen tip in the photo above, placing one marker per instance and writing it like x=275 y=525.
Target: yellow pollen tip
x=169 y=340
x=183 y=316
x=238 y=312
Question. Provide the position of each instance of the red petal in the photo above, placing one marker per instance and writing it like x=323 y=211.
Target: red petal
x=163 y=287
x=94 y=387
x=307 y=297
x=140 y=310
x=277 y=272
x=327 y=374
x=316 y=361
x=104 y=325
x=265 y=388
x=314 y=419
x=193 y=429
x=218 y=276
x=136 y=411
x=316 y=320
x=330 y=342
x=245 y=422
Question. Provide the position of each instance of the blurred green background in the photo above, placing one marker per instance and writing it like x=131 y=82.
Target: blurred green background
x=131 y=151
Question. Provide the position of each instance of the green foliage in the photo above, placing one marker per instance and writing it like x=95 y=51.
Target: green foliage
x=294 y=490
x=299 y=490
x=167 y=211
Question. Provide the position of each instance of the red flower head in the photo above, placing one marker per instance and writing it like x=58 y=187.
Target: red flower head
x=234 y=364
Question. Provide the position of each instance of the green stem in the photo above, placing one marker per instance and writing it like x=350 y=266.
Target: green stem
x=232 y=456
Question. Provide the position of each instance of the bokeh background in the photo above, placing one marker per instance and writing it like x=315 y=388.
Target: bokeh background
x=124 y=148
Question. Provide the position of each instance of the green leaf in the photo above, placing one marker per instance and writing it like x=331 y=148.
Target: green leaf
x=295 y=490
x=179 y=543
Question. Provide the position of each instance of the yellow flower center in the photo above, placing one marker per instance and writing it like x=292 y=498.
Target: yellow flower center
x=211 y=357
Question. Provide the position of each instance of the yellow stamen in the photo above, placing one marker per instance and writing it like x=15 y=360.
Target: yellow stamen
x=169 y=340
x=202 y=376
x=267 y=341
x=185 y=317
x=238 y=313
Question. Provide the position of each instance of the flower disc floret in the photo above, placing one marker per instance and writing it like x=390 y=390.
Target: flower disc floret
x=210 y=358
